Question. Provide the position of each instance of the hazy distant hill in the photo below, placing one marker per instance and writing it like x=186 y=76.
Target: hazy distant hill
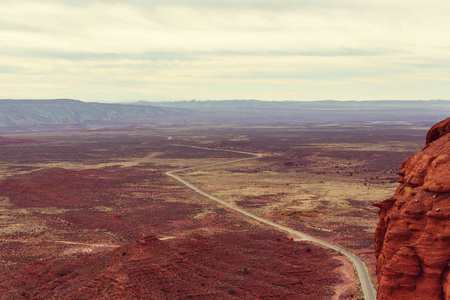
x=66 y=114
x=291 y=112
x=325 y=104
x=39 y=114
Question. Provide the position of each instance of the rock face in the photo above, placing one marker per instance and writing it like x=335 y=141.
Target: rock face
x=413 y=233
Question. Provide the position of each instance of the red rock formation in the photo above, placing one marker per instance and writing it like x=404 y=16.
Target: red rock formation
x=413 y=233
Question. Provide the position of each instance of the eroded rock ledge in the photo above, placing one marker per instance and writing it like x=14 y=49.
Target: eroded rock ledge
x=412 y=238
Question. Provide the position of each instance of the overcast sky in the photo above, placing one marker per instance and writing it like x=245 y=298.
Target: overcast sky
x=110 y=51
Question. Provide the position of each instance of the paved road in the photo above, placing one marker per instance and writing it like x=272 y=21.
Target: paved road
x=363 y=274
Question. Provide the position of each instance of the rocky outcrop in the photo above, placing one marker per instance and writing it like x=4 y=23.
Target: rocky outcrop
x=413 y=233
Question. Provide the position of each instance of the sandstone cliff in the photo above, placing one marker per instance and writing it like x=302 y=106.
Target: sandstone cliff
x=413 y=233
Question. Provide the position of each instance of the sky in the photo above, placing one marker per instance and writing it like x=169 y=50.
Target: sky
x=120 y=51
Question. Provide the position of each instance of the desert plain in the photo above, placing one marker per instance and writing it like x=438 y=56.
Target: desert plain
x=94 y=211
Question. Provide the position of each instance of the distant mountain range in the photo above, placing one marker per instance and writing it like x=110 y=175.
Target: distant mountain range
x=67 y=114
x=325 y=104
x=294 y=112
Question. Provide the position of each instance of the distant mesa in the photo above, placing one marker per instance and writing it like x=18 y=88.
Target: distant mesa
x=413 y=233
x=67 y=114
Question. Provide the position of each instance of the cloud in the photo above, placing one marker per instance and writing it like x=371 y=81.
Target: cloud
x=189 y=49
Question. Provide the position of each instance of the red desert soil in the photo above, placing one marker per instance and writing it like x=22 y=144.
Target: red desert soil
x=234 y=265
x=62 y=223
x=413 y=233
x=8 y=141
x=93 y=210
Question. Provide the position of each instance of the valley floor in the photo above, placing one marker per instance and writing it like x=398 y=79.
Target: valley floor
x=67 y=199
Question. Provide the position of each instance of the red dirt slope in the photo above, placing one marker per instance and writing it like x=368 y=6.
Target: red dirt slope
x=413 y=233
x=238 y=265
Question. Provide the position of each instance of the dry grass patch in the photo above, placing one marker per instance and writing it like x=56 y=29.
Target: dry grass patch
x=297 y=214
x=12 y=225
x=386 y=146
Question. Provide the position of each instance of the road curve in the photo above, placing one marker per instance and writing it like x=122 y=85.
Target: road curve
x=361 y=269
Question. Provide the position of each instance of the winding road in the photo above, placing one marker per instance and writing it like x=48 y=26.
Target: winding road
x=361 y=269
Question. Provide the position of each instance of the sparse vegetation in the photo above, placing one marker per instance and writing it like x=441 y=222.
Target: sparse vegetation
x=297 y=214
x=109 y=187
